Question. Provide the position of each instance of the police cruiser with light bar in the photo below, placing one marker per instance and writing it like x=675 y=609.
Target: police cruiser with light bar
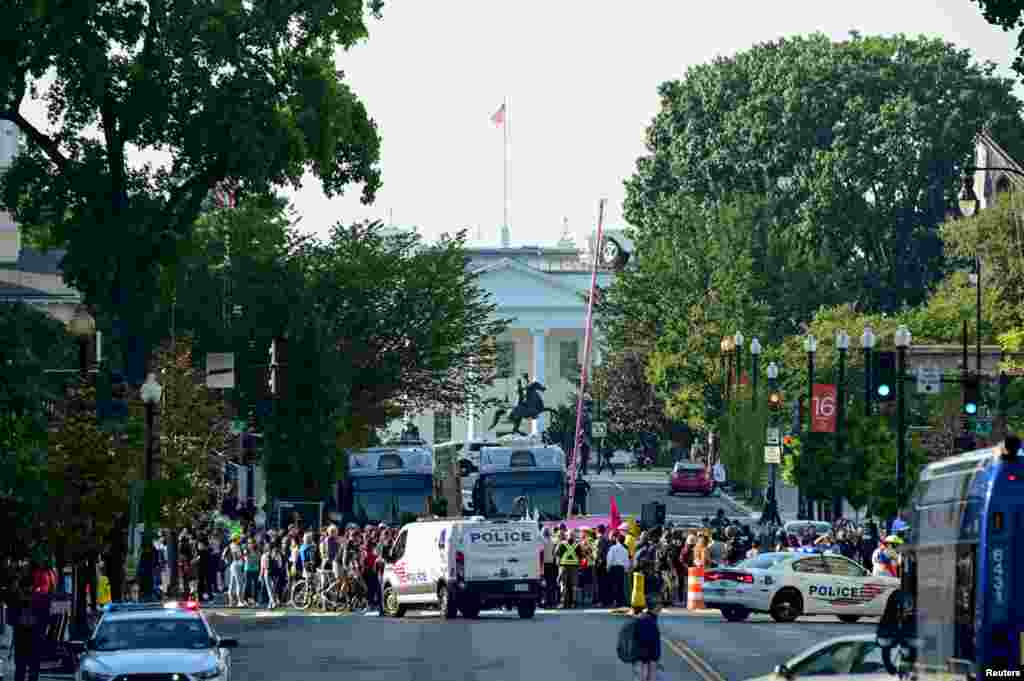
x=154 y=641
x=791 y=585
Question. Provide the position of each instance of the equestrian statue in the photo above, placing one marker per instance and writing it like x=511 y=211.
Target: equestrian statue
x=530 y=406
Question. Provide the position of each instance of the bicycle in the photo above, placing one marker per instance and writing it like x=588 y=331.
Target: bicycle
x=327 y=592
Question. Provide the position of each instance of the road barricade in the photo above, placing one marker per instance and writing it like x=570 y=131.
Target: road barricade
x=695 y=589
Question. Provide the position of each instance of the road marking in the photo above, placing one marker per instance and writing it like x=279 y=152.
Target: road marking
x=703 y=669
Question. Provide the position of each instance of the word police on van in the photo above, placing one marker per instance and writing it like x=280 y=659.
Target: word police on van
x=499 y=536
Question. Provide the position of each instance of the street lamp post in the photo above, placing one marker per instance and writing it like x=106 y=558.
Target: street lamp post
x=867 y=342
x=755 y=355
x=724 y=347
x=771 y=511
x=842 y=344
x=737 y=342
x=902 y=343
x=810 y=347
x=975 y=278
x=150 y=392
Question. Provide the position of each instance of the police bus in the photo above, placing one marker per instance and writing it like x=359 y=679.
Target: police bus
x=966 y=565
x=521 y=478
x=387 y=484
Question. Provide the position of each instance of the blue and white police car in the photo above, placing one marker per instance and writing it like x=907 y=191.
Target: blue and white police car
x=154 y=642
x=791 y=585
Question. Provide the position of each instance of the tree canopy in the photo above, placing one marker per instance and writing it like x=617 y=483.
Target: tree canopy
x=243 y=94
x=857 y=148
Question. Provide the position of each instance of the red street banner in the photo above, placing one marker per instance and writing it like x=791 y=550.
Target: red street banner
x=823 y=408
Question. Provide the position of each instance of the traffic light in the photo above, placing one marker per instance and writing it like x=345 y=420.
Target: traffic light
x=885 y=376
x=788 y=440
x=972 y=394
x=775 y=400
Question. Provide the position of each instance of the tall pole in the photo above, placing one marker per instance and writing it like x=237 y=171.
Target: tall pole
x=753 y=381
x=837 y=502
x=901 y=424
x=810 y=421
x=977 y=349
x=505 y=127
x=578 y=440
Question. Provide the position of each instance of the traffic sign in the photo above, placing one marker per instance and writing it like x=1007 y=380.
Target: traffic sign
x=929 y=380
x=599 y=429
x=220 y=370
x=773 y=436
x=773 y=454
x=983 y=426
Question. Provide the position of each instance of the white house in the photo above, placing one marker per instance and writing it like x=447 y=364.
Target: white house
x=543 y=289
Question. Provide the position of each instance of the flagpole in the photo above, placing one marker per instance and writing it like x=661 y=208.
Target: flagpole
x=505 y=126
x=574 y=462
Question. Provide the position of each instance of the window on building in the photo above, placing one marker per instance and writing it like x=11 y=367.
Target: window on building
x=569 y=359
x=506 y=359
x=442 y=426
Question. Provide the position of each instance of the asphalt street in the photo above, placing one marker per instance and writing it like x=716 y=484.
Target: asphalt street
x=633 y=489
x=501 y=647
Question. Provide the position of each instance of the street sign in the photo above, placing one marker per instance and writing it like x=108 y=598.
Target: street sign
x=238 y=426
x=773 y=436
x=599 y=429
x=929 y=380
x=773 y=454
x=220 y=370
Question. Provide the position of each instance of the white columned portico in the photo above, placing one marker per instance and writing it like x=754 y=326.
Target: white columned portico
x=539 y=338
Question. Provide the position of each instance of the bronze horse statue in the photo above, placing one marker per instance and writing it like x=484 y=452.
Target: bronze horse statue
x=530 y=406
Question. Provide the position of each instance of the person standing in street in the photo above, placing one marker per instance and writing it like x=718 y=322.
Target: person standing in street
x=569 y=561
x=648 y=638
x=550 y=570
x=601 y=565
x=618 y=563
x=28 y=613
x=718 y=472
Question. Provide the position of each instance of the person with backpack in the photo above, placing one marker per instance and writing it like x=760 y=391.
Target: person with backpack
x=640 y=642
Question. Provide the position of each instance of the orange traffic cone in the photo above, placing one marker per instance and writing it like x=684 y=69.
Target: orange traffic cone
x=695 y=589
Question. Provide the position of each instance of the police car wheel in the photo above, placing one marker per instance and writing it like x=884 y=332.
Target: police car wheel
x=447 y=603
x=526 y=609
x=849 y=619
x=470 y=608
x=786 y=607
x=734 y=613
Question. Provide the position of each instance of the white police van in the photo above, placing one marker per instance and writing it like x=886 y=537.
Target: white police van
x=464 y=566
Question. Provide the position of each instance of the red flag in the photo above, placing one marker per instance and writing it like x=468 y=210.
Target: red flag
x=499 y=116
x=614 y=519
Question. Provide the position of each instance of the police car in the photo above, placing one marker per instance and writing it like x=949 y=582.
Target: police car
x=154 y=641
x=790 y=585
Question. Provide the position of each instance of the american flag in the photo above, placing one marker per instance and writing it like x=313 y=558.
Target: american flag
x=498 y=118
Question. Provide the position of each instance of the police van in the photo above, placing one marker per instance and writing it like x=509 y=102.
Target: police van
x=464 y=565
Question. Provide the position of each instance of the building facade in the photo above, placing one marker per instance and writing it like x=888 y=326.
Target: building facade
x=543 y=290
x=29 y=275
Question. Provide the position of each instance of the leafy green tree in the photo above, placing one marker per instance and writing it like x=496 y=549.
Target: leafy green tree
x=1008 y=15
x=681 y=299
x=240 y=93
x=856 y=146
x=742 y=427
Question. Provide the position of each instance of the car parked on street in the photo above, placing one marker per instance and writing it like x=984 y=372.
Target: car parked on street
x=857 y=656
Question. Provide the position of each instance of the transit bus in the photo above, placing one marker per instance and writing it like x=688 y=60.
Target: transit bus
x=521 y=478
x=387 y=484
x=965 y=560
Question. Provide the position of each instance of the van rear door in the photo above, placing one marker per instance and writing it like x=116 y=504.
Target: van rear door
x=501 y=550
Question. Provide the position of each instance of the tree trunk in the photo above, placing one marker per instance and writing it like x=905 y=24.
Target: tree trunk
x=115 y=558
x=172 y=558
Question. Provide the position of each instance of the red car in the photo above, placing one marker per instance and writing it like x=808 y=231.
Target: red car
x=691 y=477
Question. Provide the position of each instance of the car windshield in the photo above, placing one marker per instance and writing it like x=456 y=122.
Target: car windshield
x=765 y=562
x=133 y=634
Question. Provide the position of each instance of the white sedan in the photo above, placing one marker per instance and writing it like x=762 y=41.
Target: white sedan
x=790 y=585
x=850 y=657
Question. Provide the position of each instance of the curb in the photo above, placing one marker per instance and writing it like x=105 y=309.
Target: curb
x=740 y=505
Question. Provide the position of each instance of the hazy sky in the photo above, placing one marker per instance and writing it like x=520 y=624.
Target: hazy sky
x=582 y=82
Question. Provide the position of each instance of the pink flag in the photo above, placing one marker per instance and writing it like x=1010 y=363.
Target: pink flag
x=499 y=116
x=613 y=515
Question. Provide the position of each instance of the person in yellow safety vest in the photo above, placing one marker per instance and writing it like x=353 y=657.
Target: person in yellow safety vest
x=567 y=555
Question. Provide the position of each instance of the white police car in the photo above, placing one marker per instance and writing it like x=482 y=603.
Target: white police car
x=156 y=642
x=790 y=585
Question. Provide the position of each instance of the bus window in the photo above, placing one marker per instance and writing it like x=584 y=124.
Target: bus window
x=946 y=581
x=966 y=581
